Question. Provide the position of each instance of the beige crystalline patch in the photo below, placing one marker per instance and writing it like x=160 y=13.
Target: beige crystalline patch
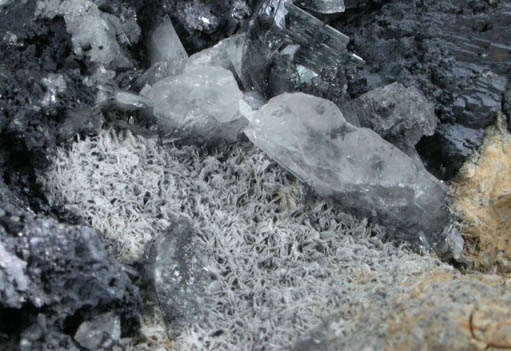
x=440 y=313
x=483 y=199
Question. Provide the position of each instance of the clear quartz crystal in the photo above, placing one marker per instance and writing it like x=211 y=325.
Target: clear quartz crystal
x=227 y=54
x=165 y=45
x=354 y=166
x=200 y=105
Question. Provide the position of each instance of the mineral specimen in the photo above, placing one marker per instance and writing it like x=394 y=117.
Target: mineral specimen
x=199 y=23
x=482 y=194
x=449 y=147
x=200 y=105
x=455 y=52
x=290 y=50
x=176 y=276
x=440 y=311
x=399 y=115
x=354 y=166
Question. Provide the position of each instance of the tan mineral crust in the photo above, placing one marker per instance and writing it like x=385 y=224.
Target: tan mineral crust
x=452 y=312
x=482 y=194
x=439 y=311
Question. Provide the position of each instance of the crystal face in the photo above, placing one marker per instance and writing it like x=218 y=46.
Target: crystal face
x=165 y=45
x=227 y=53
x=289 y=50
x=322 y=6
x=200 y=105
x=355 y=167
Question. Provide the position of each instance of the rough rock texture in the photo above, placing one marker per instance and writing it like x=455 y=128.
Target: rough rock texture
x=54 y=276
x=363 y=173
x=482 y=193
x=456 y=52
x=433 y=312
x=176 y=276
x=198 y=106
x=40 y=81
x=96 y=35
x=400 y=115
x=100 y=333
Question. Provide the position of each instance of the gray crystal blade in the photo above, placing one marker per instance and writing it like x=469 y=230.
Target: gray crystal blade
x=322 y=6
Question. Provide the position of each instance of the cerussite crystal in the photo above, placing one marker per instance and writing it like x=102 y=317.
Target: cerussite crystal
x=200 y=105
x=355 y=167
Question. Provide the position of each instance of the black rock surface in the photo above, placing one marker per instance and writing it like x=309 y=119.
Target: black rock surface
x=456 y=52
x=35 y=54
x=54 y=276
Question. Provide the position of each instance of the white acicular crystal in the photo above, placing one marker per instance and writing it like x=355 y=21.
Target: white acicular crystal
x=354 y=166
x=200 y=105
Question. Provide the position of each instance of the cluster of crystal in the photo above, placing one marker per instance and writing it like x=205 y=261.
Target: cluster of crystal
x=200 y=105
x=354 y=166
x=176 y=275
x=290 y=50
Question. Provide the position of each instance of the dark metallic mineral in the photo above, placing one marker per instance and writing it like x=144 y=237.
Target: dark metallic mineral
x=399 y=115
x=456 y=52
x=58 y=274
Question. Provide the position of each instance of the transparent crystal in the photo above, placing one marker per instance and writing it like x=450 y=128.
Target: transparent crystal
x=322 y=6
x=176 y=275
x=227 y=53
x=165 y=45
x=200 y=105
x=354 y=166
